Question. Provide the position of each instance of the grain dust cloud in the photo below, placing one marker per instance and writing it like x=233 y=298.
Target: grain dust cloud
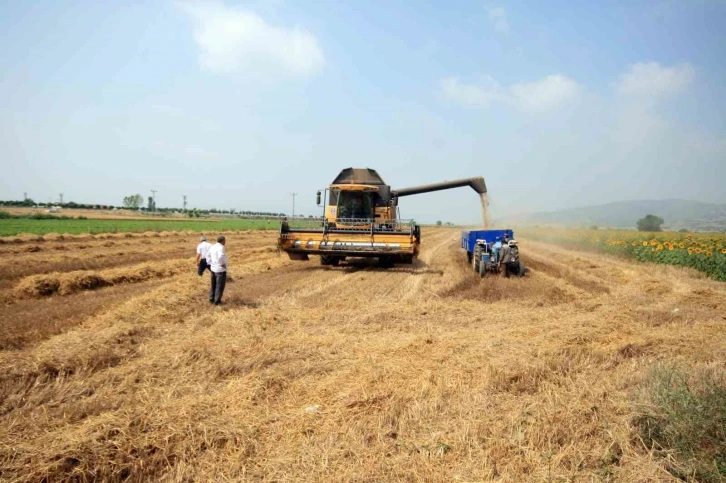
x=485 y=210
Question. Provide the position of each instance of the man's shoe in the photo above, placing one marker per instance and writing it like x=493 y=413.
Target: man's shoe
x=218 y=303
x=211 y=301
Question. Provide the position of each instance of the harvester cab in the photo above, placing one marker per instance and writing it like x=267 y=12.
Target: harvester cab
x=361 y=219
x=357 y=198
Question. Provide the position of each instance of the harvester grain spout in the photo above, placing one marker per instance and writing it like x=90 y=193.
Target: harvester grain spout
x=477 y=184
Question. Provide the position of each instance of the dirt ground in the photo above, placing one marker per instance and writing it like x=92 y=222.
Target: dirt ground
x=350 y=373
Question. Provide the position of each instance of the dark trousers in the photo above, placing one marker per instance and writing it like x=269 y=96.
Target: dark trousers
x=219 y=280
x=202 y=267
x=505 y=270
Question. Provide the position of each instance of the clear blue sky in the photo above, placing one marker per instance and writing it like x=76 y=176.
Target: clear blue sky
x=237 y=104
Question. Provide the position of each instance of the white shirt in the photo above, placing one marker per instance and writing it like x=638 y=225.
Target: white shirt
x=216 y=257
x=202 y=249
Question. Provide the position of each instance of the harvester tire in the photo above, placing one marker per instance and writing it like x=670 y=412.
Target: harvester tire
x=521 y=270
x=407 y=259
x=385 y=262
x=482 y=270
x=329 y=260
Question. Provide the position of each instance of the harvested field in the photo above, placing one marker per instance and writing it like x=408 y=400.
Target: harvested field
x=349 y=373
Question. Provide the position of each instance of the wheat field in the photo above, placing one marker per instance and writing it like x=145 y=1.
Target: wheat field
x=114 y=367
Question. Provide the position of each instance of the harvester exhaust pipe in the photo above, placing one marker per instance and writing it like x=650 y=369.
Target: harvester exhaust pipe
x=477 y=184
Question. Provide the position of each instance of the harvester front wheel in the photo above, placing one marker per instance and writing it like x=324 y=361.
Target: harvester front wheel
x=385 y=262
x=482 y=270
x=329 y=260
x=407 y=259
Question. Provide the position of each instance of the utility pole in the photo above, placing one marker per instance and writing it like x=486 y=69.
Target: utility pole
x=153 y=200
x=25 y=196
x=61 y=198
x=293 y=204
x=185 y=202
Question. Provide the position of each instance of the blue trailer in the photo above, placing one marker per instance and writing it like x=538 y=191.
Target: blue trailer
x=483 y=256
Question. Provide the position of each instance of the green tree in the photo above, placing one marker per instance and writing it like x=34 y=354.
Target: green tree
x=650 y=223
x=438 y=223
x=133 y=201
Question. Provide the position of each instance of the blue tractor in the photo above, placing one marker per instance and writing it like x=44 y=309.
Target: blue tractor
x=482 y=251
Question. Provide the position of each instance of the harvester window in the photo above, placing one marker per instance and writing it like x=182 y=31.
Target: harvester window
x=354 y=204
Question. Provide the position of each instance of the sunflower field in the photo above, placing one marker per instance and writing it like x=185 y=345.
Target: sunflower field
x=703 y=251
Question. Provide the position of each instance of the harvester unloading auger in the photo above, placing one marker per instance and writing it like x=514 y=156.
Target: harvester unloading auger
x=362 y=220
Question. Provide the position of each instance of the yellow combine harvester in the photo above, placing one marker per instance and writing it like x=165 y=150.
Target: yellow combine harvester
x=362 y=220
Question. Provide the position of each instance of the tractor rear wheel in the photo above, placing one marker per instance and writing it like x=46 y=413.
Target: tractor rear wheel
x=477 y=258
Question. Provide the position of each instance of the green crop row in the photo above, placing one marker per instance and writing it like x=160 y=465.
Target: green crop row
x=11 y=227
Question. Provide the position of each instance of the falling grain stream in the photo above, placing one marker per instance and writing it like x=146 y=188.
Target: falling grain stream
x=485 y=210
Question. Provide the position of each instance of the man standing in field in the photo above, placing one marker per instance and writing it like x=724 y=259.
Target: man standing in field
x=496 y=247
x=218 y=265
x=504 y=259
x=202 y=250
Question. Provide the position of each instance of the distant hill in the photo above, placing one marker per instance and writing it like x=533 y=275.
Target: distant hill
x=692 y=215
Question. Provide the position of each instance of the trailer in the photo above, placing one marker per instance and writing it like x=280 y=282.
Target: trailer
x=482 y=252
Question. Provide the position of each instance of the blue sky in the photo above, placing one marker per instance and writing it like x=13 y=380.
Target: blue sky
x=238 y=104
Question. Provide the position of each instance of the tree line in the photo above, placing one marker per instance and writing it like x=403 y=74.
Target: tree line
x=135 y=202
x=29 y=203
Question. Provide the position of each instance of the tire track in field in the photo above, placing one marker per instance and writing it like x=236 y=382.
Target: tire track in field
x=308 y=284
x=429 y=258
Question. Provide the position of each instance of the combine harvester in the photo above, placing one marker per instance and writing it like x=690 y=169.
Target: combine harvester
x=362 y=219
x=483 y=255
